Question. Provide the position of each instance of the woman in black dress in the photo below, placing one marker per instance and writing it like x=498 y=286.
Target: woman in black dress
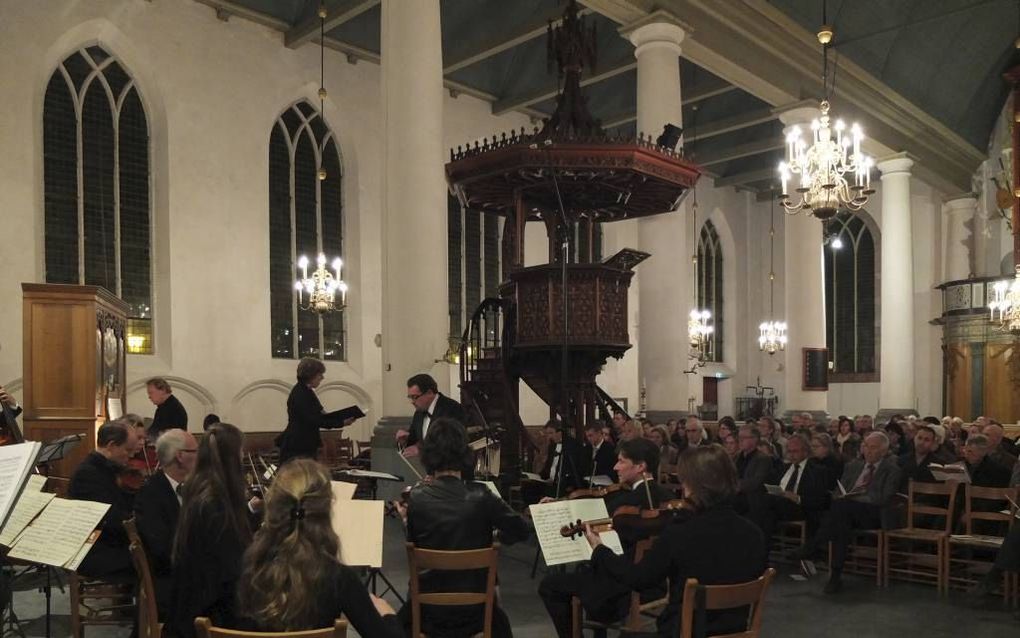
x=292 y=579
x=305 y=415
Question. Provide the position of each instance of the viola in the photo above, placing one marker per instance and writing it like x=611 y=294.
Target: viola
x=646 y=522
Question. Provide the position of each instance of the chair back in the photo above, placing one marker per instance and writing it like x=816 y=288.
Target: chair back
x=916 y=506
x=205 y=629
x=702 y=598
x=419 y=560
x=1004 y=510
x=148 y=616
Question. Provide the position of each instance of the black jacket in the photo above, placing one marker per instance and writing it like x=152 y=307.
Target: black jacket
x=603 y=463
x=445 y=407
x=169 y=415
x=450 y=514
x=716 y=546
x=305 y=417
x=988 y=473
x=832 y=466
x=753 y=470
x=569 y=466
x=156 y=512
x=95 y=479
x=812 y=486
x=912 y=470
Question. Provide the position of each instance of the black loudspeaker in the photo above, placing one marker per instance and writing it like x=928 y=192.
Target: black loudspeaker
x=670 y=136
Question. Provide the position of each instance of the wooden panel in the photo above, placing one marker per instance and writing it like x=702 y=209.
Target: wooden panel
x=958 y=380
x=46 y=431
x=60 y=381
x=1001 y=398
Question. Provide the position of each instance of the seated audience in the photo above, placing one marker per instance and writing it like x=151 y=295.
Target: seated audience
x=824 y=454
x=753 y=468
x=863 y=425
x=870 y=484
x=631 y=430
x=844 y=431
x=850 y=450
x=213 y=531
x=726 y=426
x=983 y=469
x=732 y=447
x=605 y=600
x=659 y=435
x=598 y=455
x=896 y=435
x=619 y=419
x=914 y=465
x=805 y=491
x=1000 y=449
x=446 y=513
x=771 y=435
x=679 y=436
x=712 y=544
x=158 y=507
x=563 y=456
x=96 y=479
x=292 y=579
x=695 y=433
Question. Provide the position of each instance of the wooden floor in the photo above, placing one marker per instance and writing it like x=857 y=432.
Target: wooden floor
x=794 y=608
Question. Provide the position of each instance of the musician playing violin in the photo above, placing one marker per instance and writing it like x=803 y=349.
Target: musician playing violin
x=9 y=431
x=637 y=464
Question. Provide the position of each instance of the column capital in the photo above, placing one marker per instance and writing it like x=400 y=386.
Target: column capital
x=895 y=164
x=799 y=113
x=961 y=202
x=659 y=29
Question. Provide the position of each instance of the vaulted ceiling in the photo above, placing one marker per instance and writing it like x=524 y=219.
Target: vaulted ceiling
x=923 y=75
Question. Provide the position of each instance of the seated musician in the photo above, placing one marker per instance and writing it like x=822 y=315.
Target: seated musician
x=158 y=506
x=292 y=579
x=805 y=490
x=607 y=601
x=709 y=542
x=9 y=430
x=96 y=479
x=599 y=454
x=563 y=456
x=870 y=483
x=444 y=512
x=213 y=530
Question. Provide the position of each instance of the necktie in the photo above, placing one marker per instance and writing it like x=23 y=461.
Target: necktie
x=869 y=471
x=791 y=484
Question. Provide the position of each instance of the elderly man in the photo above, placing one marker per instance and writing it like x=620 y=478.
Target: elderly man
x=863 y=425
x=753 y=468
x=695 y=433
x=983 y=469
x=1000 y=449
x=805 y=492
x=870 y=484
x=158 y=505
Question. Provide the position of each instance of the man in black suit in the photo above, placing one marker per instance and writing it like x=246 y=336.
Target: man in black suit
x=562 y=457
x=95 y=479
x=169 y=411
x=805 y=495
x=157 y=506
x=753 y=468
x=870 y=484
x=1000 y=449
x=429 y=404
x=637 y=465
x=599 y=455
x=915 y=464
x=983 y=469
x=11 y=410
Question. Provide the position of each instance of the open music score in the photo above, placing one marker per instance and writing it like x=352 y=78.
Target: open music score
x=359 y=524
x=61 y=534
x=549 y=519
x=16 y=463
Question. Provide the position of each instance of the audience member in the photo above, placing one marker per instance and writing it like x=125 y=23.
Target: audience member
x=870 y=484
x=805 y=491
x=770 y=434
x=753 y=468
x=824 y=454
x=291 y=579
x=844 y=431
x=563 y=456
x=1000 y=449
x=660 y=437
x=914 y=464
x=695 y=433
x=731 y=446
x=726 y=426
x=983 y=469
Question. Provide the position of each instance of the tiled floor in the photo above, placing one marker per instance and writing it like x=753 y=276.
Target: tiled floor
x=794 y=608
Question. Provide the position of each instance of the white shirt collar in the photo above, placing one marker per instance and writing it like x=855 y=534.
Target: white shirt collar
x=432 y=406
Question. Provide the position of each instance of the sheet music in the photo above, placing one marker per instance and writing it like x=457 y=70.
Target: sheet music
x=371 y=474
x=359 y=525
x=16 y=463
x=25 y=510
x=58 y=533
x=343 y=491
x=75 y=562
x=550 y=517
x=492 y=488
x=36 y=483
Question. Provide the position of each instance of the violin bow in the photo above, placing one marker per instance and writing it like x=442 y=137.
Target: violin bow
x=408 y=464
x=255 y=473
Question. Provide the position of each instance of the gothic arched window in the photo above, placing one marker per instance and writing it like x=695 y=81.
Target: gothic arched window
x=710 y=284
x=305 y=218
x=851 y=294
x=96 y=185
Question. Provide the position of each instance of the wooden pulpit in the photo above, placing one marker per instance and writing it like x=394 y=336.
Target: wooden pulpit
x=74 y=364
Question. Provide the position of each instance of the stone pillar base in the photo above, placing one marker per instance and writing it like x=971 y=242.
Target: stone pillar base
x=385 y=457
x=884 y=414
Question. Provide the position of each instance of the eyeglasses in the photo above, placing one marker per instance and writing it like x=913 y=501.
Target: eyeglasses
x=190 y=450
x=414 y=397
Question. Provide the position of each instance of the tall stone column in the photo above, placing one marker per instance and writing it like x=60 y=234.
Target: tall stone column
x=896 y=392
x=415 y=314
x=804 y=285
x=664 y=295
x=960 y=213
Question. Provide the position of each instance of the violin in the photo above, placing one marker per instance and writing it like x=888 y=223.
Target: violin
x=647 y=522
x=139 y=468
x=596 y=492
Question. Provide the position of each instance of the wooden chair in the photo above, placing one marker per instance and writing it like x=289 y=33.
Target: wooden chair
x=96 y=601
x=789 y=535
x=713 y=597
x=148 y=615
x=637 y=613
x=965 y=570
x=913 y=565
x=205 y=629
x=440 y=560
x=865 y=558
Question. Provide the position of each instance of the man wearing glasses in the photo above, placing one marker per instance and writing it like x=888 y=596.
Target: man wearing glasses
x=429 y=405
x=158 y=505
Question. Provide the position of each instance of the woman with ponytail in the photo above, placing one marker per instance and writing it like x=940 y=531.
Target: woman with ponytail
x=214 y=529
x=291 y=579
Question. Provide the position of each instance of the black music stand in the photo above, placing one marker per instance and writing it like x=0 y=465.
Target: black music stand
x=58 y=450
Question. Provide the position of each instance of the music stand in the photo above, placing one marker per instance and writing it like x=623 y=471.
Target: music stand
x=58 y=450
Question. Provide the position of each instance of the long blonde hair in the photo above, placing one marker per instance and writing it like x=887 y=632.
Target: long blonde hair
x=291 y=558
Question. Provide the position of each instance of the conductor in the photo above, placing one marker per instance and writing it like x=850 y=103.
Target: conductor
x=305 y=414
